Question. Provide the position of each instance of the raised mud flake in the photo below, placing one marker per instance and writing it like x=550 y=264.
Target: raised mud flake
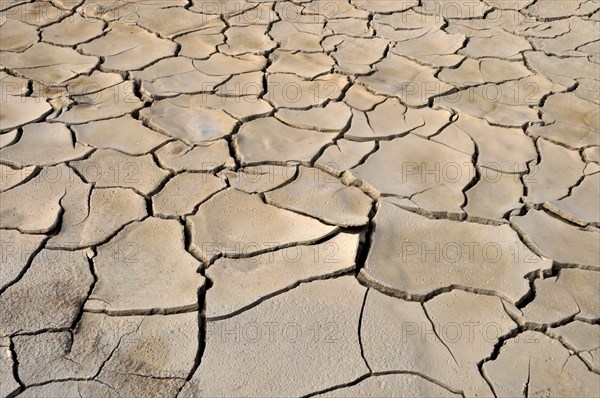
x=259 y=179
x=128 y=47
x=16 y=252
x=184 y=192
x=455 y=138
x=550 y=9
x=17 y=36
x=512 y=21
x=400 y=77
x=562 y=70
x=109 y=210
x=590 y=169
x=238 y=234
x=454 y=313
x=552 y=178
x=108 y=103
x=109 y=168
x=416 y=165
x=247 y=39
x=123 y=134
x=343 y=155
x=7 y=139
x=89 y=84
x=358 y=97
x=208 y=157
x=8 y=384
x=572 y=42
x=73 y=30
x=583 y=287
x=487 y=70
x=569 y=120
x=170 y=77
x=592 y=154
x=220 y=64
x=303 y=33
x=558 y=240
x=43 y=144
x=388 y=385
x=34 y=207
x=533 y=364
x=589 y=90
x=321 y=196
x=165 y=348
x=508 y=104
x=145 y=269
x=241 y=108
x=67 y=5
x=200 y=45
x=356 y=55
x=397 y=335
x=56 y=97
x=440 y=201
x=48 y=64
x=290 y=91
x=404 y=25
x=244 y=85
x=241 y=282
x=307 y=65
x=494 y=195
x=332 y=117
x=323 y=342
x=407 y=248
x=507 y=150
x=354 y=27
x=17 y=111
x=391 y=118
x=84 y=88
x=437 y=48
x=496 y=43
x=584 y=337
x=174 y=21
x=552 y=303
x=49 y=295
x=581 y=206
x=592 y=50
x=269 y=140
x=188 y=119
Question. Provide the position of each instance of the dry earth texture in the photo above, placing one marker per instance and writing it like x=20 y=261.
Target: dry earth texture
x=333 y=198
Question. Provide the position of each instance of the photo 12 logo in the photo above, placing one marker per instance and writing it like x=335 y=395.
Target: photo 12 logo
x=272 y=332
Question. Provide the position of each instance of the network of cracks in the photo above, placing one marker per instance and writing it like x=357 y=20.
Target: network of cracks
x=334 y=198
